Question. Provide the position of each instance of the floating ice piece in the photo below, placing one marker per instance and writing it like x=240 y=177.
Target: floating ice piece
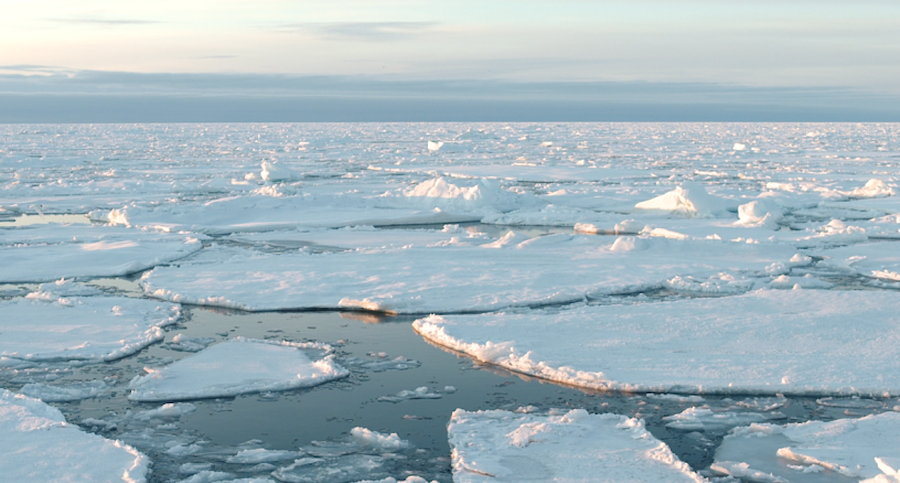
x=90 y=328
x=690 y=200
x=208 y=476
x=105 y=252
x=237 y=366
x=276 y=172
x=387 y=442
x=835 y=233
x=398 y=363
x=411 y=479
x=417 y=393
x=808 y=342
x=435 y=145
x=739 y=147
x=260 y=455
x=876 y=260
x=64 y=288
x=38 y=445
x=705 y=419
x=70 y=392
x=680 y=398
x=166 y=411
x=420 y=280
x=189 y=344
x=856 y=448
x=501 y=446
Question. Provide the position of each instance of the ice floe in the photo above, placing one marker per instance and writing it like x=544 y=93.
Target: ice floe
x=76 y=251
x=38 y=445
x=503 y=446
x=763 y=342
x=237 y=366
x=875 y=260
x=64 y=393
x=88 y=328
x=526 y=272
x=862 y=449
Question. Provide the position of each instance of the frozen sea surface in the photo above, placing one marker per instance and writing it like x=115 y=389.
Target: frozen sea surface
x=755 y=260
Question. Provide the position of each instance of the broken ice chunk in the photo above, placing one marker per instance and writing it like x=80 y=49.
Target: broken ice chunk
x=38 y=445
x=237 y=366
x=501 y=446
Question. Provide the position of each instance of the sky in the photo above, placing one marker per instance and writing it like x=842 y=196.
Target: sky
x=270 y=60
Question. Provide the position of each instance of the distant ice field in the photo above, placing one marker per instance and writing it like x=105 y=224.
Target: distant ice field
x=746 y=276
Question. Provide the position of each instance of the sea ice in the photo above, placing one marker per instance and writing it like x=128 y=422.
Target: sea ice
x=689 y=200
x=88 y=328
x=237 y=366
x=705 y=419
x=875 y=260
x=38 y=445
x=841 y=450
x=805 y=342
x=69 y=392
x=519 y=271
x=501 y=446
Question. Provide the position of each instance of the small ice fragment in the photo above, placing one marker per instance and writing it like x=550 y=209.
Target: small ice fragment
x=388 y=442
x=739 y=147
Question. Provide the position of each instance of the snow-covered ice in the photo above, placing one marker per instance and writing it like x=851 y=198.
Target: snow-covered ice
x=501 y=446
x=86 y=328
x=864 y=449
x=237 y=366
x=763 y=342
x=521 y=271
x=43 y=253
x=38 y=445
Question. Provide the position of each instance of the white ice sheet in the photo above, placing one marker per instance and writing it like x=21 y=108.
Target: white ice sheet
x=38 y=445
x=88 y=328
x=237 y=366
x=574 y=446
x=458 y=277
x=764 y=342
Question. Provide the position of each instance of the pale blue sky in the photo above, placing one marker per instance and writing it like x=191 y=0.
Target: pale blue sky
x=755 y=44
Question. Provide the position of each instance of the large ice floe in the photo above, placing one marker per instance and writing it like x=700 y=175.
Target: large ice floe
x=38 y=445
x=238 y=366
x=41 y=253
x=764 y=342
x=502 y=446
x=520 y=271
x=47 y=327
x=863 y=449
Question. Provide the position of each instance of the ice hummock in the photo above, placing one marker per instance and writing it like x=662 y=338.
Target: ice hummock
x=689 y=199
x=520 y=271
x=237 y=366
x=798 y=342
x=864 y=449
x=502 y=446
x=85 y=328
x=38 y=445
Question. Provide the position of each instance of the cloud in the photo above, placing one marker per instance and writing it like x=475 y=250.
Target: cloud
x=99 y=96
x=108 y=22
x=371 y=31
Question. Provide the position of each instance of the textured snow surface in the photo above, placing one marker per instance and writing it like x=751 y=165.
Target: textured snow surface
x=237 y=366
x=575 y=446
x=519 y=271
x=41 y=253
x=864 y=449
x=764 y=342
x=38 y=445
x=87 y=328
